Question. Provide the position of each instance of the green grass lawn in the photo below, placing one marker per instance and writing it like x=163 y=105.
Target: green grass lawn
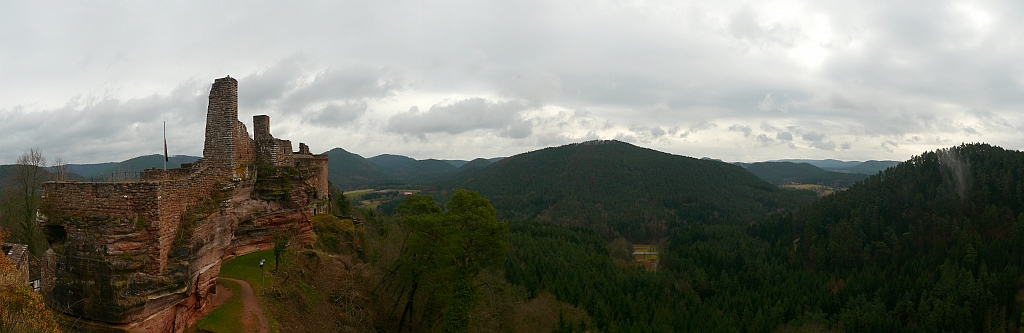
x=247 y=268
x=227 y=317
x=355 y=194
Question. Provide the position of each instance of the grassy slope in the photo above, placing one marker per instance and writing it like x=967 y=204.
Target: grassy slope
x=227 y=317
x=247 y=268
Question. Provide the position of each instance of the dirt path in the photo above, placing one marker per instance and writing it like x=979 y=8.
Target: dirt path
x=221 y=296
x=251 y=306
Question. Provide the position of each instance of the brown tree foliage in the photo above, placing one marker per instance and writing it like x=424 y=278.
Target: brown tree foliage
x=21 y=309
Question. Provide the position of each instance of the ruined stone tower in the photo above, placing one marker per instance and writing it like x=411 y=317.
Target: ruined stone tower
x=221 y=116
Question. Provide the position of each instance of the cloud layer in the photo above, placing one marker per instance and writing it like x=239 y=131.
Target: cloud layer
x=734 y=80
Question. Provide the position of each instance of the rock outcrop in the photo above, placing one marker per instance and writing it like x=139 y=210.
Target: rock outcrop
x=144 y=255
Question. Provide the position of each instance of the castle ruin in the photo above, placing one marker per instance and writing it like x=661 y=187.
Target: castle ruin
x=144 y=255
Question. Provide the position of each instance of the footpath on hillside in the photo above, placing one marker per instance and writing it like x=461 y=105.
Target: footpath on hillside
x=251 y=306
x=235 y=306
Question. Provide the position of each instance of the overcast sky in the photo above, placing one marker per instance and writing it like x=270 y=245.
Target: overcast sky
x=739 y=81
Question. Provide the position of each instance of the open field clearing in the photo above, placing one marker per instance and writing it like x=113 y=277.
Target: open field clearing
x=358 y=193
x=645 y=255
x=821 y=190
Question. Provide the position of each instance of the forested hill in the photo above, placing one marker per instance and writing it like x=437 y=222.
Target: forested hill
x=935 y=243
x=930 y=203
x=349 y=171
x=402 y=167
x=621 y=189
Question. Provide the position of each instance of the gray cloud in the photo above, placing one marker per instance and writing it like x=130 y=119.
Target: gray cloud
x=342 y=84
x=746 y=130
x=536 y=87
x=823 y=145
x=643 y=134
x=813 y=137
x=336 y=115
x=262 y=88
x=331 y=98
x=626 y=138
x=744 y=25
x=819 y=141
x=888 y=145
x=463 y=116
x=91 y=129
x=699 y=126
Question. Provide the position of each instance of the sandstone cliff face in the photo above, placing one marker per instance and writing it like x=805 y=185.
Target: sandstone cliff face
x=144 y=255
x=108 y=268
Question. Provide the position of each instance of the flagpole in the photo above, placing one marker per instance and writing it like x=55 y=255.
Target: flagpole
x=165 y=150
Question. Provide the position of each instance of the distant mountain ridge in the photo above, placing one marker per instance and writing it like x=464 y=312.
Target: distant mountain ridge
x=782 y=173
x=460 y=163
x=131 y=166
x=870 y=167
x=350 y=171
x=403 y=167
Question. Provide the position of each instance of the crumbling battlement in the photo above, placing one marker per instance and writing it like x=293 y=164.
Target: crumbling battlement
x=146 y=254
x=270 y=150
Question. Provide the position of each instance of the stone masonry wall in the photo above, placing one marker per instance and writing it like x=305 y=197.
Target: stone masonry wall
x=121 y=249
x=102 y=205
x=268 y=149
x=264 y=143
x=245 y=153
x=322 y=184
x=156 y=174
x=261 y=128
x=283 y=153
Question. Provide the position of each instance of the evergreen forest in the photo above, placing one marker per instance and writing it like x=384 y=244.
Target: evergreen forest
x=933 y=244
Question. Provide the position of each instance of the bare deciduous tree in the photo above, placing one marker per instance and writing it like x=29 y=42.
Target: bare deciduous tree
x=59 y=169
x=28 y=174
